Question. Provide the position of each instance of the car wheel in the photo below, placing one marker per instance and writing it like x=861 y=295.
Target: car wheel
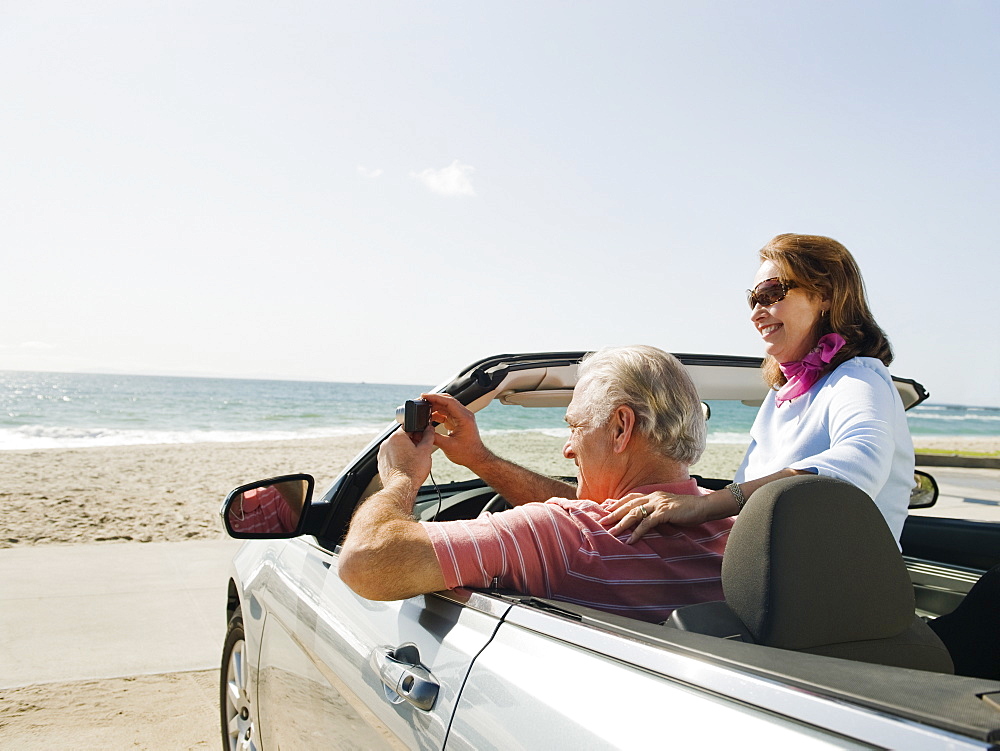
x=235 y=691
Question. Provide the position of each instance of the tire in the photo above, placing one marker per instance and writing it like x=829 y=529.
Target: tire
x=236 y=692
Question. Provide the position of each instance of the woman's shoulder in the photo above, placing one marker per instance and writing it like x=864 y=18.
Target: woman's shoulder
x=863 y=363
x=867 y=369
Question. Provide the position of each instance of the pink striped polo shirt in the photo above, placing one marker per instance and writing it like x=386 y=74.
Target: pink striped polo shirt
x=263 y=511
x=560 y=550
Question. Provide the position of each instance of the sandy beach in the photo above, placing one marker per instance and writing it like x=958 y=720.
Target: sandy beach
x=168 y=493
x=169 y=711
x=145 y=493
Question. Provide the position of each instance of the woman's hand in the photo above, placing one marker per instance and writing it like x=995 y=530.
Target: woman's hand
x=643 y=512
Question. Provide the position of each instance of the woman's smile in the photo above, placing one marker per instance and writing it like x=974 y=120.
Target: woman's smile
x=787 y=326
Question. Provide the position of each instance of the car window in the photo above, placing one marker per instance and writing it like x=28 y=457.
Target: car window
x=530 y=436
x=534 y=438
x=729 y=425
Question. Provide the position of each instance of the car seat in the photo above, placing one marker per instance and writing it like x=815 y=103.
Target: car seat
x=811 y=566
x=972 y=630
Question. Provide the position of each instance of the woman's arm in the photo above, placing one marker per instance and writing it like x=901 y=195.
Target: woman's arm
x=684 y=510
x=862 y=412
x=849 y=426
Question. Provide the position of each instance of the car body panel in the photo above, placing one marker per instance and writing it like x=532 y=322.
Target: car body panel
x=818 y=692
x=577 y=697
x=336 y=653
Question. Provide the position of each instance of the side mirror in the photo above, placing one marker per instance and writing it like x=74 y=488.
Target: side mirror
x=268 y=509
x=925 y=492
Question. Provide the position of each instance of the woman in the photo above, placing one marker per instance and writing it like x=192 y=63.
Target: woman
x=832 y=410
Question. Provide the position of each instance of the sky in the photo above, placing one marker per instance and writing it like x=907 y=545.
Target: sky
x=388 y=191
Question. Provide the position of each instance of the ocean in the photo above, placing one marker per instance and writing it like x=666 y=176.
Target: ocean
x=72 y=410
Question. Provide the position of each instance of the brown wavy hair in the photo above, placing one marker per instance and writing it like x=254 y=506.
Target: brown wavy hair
x=823 y=268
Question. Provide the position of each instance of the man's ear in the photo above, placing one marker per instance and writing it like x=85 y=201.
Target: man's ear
x=623 y=422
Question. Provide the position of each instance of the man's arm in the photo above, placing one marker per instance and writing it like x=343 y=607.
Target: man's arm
x=518 y=484
x=463 y=445
x=387 y=555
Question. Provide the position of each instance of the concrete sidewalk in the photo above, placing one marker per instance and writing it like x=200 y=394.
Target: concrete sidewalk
x=965 y=493
x=78 y=612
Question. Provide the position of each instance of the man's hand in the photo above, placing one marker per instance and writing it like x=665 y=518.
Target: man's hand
x=406 y=456
x=387 y=555
x=463 y=444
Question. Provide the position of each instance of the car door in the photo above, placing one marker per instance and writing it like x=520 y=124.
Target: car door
x=550 y=681
x=340 y=671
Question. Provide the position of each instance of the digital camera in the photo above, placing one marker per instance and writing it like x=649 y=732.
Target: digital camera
x=414 y=415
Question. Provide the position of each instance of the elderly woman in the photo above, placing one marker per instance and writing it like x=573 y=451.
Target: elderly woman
x=832 y=410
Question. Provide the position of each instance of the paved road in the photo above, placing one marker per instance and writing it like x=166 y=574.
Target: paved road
x=966 y=493
x=77 y=612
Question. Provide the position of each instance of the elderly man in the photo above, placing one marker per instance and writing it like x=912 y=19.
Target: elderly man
x=636 y=424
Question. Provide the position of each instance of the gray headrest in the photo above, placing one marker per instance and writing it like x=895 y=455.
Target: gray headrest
x=801 y=530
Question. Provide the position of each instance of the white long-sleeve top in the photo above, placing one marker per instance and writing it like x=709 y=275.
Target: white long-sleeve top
x=850 y=425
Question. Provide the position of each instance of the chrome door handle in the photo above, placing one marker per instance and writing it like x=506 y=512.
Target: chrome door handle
x=404 y=678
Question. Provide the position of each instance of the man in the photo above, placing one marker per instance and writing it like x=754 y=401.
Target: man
x=636 y=424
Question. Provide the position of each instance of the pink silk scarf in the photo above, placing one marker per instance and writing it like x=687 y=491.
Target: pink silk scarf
x=802 y=374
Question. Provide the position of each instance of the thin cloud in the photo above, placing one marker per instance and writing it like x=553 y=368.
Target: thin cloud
x=369 y=172
x=453 y=180
x=29 y=346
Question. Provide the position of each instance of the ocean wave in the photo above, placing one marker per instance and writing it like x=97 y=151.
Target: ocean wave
x=554 y=432
x=29 y=437
x=738 y=438
x=979 y=416
x=952 y=408
x=716 y=437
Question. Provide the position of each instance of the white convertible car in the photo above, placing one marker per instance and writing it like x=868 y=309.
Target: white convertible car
x=827 y=638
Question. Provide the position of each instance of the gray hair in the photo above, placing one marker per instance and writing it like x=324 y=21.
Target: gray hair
x=658 y=389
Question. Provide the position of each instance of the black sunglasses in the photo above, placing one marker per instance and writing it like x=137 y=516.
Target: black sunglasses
x=768 y=292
